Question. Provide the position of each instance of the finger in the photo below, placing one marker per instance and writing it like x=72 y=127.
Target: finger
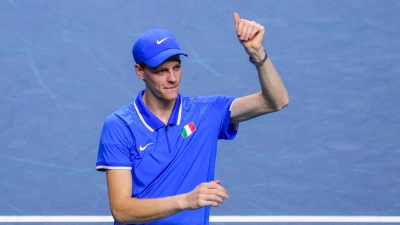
x=209 y=203
x=210 y=200
x=215 y=185
x=249 y=29
x=216 y=181
x=218 y=199
x=218 y=191
x=215 y=199
x=213 y=188
x=236 y=18
x=222 y=194
x=244 y=29
x=239 y=28
x=255 y=30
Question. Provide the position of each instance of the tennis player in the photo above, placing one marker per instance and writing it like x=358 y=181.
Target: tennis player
x=159 y=151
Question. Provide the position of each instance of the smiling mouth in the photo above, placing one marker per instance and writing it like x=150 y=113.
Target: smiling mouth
x=169 y=88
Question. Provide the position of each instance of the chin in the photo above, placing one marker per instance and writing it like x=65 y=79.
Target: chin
x=171 y=96
x=171 y=93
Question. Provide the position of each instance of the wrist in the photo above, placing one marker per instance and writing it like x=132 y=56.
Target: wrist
x=256 y=54
x=182 y=202
x=259 y=61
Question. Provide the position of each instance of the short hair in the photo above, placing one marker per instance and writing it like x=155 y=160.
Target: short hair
x=174 y=58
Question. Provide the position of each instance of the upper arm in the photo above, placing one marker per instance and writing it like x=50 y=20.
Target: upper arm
x=119 y=184
x=249 y=106
x=116 y=146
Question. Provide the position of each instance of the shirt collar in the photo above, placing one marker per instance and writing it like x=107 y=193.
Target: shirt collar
x=150 y=120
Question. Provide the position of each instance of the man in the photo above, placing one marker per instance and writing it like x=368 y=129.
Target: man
x=159 y=152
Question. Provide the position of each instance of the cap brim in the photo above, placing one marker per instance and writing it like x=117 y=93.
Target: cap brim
x=162 y=56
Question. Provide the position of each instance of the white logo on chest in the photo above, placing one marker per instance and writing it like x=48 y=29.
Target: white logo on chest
x=144 y=147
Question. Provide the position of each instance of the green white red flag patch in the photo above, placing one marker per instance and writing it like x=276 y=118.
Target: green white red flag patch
x=188 y=130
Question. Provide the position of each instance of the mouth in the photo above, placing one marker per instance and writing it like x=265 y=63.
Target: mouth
x=172 y=88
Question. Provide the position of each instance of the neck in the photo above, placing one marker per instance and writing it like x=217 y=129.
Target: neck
x=161 y=109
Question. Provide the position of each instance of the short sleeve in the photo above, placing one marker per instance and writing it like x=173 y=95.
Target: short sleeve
x=115 y=145
x=228 y=130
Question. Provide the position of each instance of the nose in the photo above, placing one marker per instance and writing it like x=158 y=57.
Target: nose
x=171 y=76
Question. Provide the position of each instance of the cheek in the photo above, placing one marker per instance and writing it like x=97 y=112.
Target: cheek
x=154 y=83
x=179 y=75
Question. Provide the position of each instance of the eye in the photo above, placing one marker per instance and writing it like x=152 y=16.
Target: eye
x=160 y=71
x=177 y=67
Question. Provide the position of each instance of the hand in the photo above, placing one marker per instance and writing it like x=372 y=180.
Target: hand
x=206 y=194
x=250 y=33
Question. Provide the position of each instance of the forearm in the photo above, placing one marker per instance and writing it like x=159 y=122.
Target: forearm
x=273 y=95
x=134 y=210
x=272 y=88
x=126 y=209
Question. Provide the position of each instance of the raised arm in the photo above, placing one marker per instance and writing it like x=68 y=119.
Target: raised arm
x=126 y=209
x=273 y=95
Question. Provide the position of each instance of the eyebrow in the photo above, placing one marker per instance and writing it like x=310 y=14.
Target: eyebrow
x=154 y=69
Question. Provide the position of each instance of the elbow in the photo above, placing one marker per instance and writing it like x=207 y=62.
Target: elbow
x=282 y=103
x=285 y=102
x=120 y=217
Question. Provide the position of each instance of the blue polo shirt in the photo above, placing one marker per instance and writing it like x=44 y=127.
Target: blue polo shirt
x=167 y=159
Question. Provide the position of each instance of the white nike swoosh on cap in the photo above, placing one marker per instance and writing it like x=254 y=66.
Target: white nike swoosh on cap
x=159 y=42
x=144 y=147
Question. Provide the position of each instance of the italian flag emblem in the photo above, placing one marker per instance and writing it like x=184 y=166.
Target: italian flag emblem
x=188 y=129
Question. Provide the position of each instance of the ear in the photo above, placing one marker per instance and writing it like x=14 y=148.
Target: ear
x=139 y=71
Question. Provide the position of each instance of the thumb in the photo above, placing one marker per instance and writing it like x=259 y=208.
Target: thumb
x=236 y=17
x=216 y=181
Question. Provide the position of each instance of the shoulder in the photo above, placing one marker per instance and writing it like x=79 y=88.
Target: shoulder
x=116 y=128
x=212 y=105
x=124 y=115
x=119 y=121
x=198 y=99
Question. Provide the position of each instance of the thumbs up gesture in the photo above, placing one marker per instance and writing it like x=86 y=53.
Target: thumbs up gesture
x=250 y=33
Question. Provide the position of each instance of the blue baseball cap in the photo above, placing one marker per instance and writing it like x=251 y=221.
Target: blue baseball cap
x=155 y=46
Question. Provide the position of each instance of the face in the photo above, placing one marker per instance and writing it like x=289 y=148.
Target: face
x=162 y=82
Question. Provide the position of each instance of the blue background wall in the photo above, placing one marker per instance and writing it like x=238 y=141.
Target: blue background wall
x=335 y=150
